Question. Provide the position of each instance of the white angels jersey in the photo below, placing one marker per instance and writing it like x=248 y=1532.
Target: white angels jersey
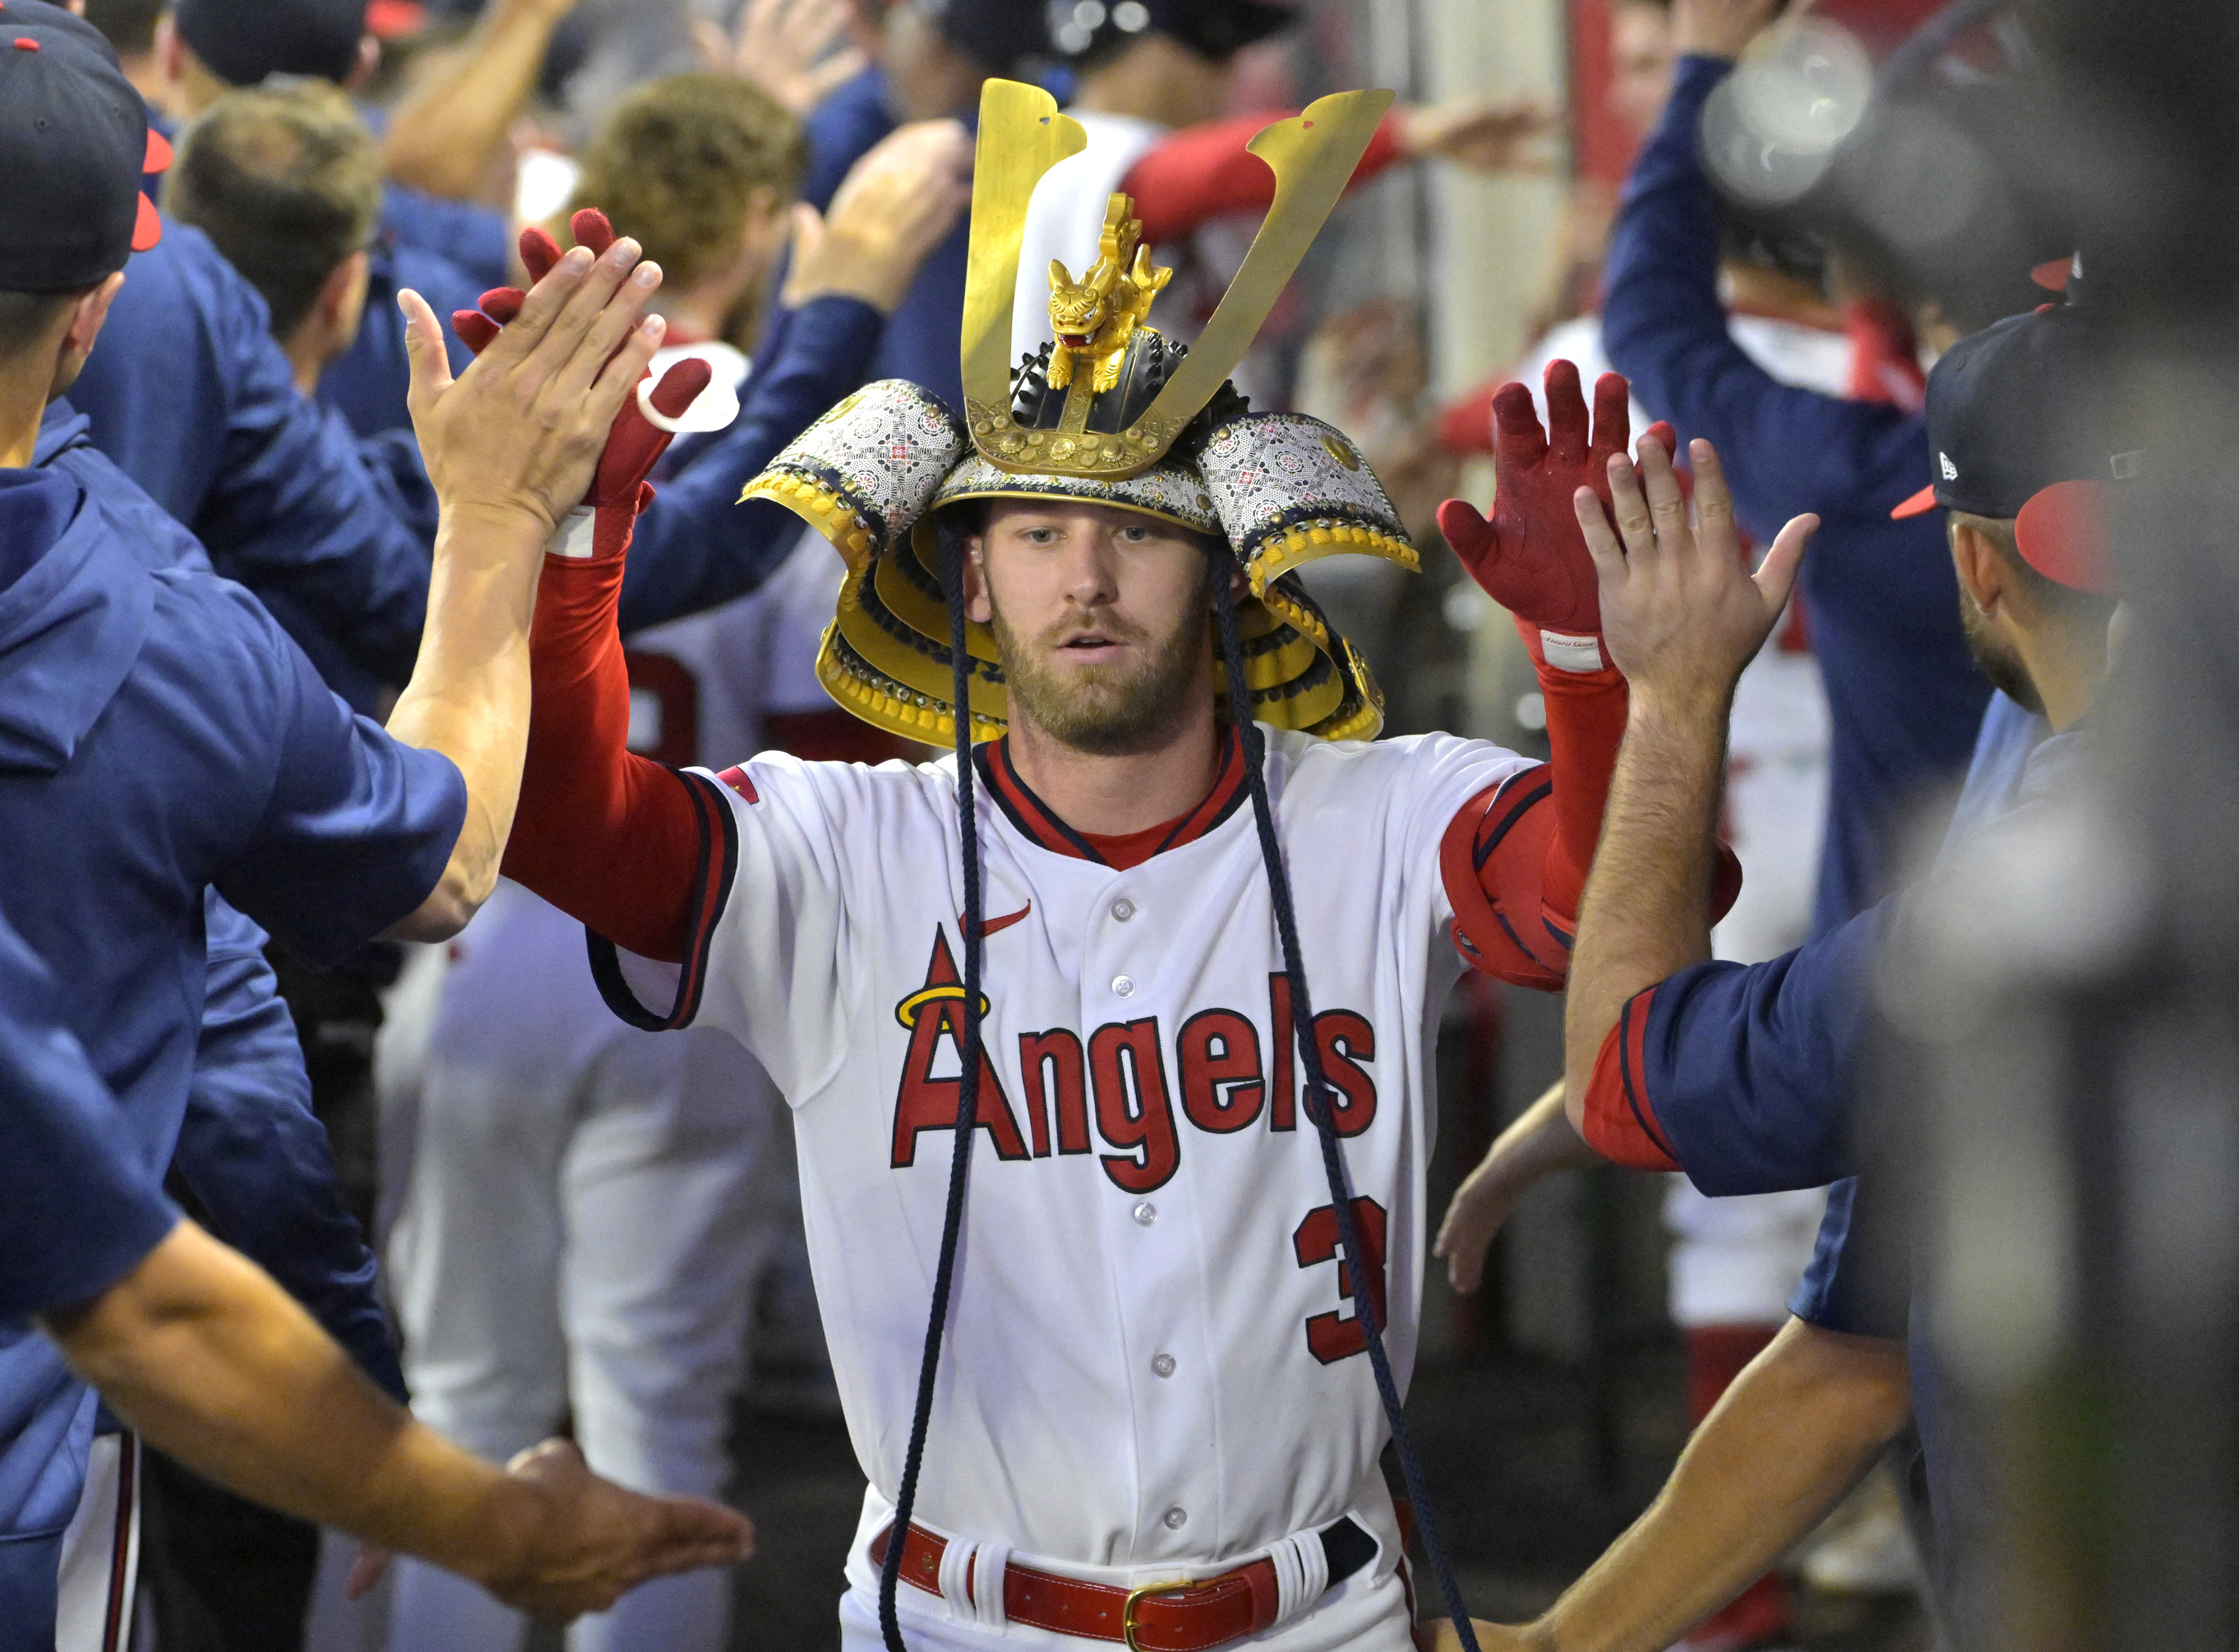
x=1152 y=1361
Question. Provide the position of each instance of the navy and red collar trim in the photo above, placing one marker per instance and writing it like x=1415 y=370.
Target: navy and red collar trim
x=1041 y=823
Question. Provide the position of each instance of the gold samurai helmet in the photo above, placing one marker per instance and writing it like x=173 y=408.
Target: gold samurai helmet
x=1110 y=411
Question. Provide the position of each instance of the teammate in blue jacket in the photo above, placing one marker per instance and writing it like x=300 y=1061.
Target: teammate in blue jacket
x=213 y=1363
x=160 y=735
x=1903 y=698
x=249 y=1148
x=1746 y=1076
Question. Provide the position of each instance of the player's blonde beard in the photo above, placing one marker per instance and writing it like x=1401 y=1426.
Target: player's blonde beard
x=1110 y=710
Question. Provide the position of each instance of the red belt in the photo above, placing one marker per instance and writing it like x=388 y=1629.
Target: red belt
x=1157 y=1617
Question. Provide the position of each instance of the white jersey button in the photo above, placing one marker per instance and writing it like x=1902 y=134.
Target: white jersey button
x=1176 y=1519
x=1147 y=1213
x=1164 y=1364
x=1123 y=909
x=1124 y=985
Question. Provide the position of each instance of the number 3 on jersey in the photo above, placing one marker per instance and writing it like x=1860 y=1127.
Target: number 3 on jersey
x=1333 y=1336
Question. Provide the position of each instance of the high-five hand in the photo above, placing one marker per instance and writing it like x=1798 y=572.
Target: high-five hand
x=520 y=432
x=1528 y=556
x=644 y=427
x=597 y=1541
x=1681 y=614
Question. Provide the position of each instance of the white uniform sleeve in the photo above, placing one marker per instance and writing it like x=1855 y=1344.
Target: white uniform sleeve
x=1438 y=774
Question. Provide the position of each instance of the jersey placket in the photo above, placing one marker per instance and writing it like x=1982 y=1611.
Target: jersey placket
x=1153 y=1233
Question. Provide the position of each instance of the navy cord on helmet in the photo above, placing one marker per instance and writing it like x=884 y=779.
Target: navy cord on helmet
x=1317 y=1094
x=967 y=1099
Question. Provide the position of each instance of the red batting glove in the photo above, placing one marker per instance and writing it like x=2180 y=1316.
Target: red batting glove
x=602 y=525
x=1531 y=558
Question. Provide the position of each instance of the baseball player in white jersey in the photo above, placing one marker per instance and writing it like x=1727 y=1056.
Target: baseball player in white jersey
x=1144 y=1408
x=592 y=1212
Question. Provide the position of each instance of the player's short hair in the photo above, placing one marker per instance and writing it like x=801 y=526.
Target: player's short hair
x=677 y=163
x=2083 y=609
x=287 y=180
x=25 y=318
x=129 y=25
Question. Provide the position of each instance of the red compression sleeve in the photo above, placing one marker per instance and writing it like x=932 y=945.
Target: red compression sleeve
x=607 y=836
x=1585 y=725
x=1204 y=172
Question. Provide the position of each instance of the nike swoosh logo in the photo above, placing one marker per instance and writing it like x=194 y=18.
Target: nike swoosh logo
x=990 y=925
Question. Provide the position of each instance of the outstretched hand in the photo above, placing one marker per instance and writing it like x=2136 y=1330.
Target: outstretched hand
x=597 y=1541
x=1480 y=134
x=647 y=421
x=1536 y=1146
x=893 y=208
x=1529 y=556
x=796 y=50
x=1681 y=614
x=521 y=429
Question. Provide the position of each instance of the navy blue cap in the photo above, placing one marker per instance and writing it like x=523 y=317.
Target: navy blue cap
x=998 y=35
x=2018 y=431
x=241 y=42
x=74 y=142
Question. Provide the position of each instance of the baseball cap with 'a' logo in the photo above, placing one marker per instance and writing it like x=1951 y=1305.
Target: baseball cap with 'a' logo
x=74 y=142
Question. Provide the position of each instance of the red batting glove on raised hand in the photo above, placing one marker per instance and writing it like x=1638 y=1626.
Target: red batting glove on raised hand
x=1531 y=558
x=601 y=526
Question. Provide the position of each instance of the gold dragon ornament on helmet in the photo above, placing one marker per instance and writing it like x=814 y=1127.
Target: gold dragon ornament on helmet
x=1095 y=317
x=1110 y=411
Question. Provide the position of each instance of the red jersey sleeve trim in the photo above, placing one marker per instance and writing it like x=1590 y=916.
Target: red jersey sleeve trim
x=713 y=878
x=1620 y=1122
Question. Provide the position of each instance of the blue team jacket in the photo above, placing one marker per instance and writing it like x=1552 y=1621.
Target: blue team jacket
x=250 y=1147
x=1903 y=697
x=160 y=735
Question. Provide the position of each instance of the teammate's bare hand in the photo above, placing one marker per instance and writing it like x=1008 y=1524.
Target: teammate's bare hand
x=596 y=1540
x=1681 y=614
x=1539 y=1143
x=1480 y=134
x=796 y=50
x=894 y=207
x=521 y=429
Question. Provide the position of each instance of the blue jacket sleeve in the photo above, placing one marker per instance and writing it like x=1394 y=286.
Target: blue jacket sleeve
x=355 y=828
x=1786 y=450
x=79 y=1211
x=696 y=546
x=392 y=459
x=1749 y=1069
x=476 y=239
x=1858 y=1281
x=257 y=1160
